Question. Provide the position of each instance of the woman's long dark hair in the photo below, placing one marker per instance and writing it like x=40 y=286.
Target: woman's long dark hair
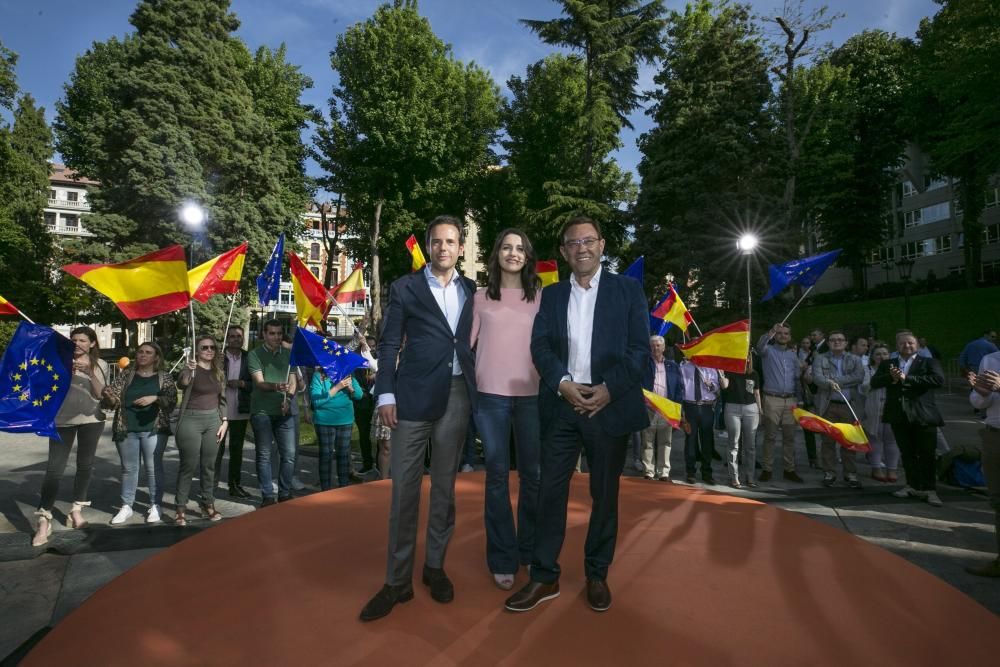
x=530 y=282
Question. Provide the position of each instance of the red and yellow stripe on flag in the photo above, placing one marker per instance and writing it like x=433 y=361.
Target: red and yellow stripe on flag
x=672 y=309
x=143 y=287
x=669 y=410
x=725 y=348
x=416 y=253
x=312 y=301
x=7 y=308
x=219 y=275
x=548 y=271
x=353 y=287
x=851 y=436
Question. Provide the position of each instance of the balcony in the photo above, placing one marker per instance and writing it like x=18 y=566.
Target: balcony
x=66 y=203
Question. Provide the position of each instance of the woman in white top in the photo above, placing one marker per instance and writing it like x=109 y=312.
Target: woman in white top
x=884 y=456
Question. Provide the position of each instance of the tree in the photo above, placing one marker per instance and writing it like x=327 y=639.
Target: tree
x=408 y=134
x=547 y=146
x=711 y=155
x=8 y=80
x=953 y=116
x=177 y=111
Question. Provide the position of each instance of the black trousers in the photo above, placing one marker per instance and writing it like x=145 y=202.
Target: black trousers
x=917 y=446
x=235 y=436
x=606 y=459
x=700 y=442
x=363 y=419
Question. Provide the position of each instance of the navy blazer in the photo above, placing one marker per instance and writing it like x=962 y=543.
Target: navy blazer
x=618 y=352
x=911 y=400
x=413 y=321
x=675 y=382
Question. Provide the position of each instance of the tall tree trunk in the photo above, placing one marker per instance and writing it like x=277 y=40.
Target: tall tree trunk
x=972 y=194
x=376 y=315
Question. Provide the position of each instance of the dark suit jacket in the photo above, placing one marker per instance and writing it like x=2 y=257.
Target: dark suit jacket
x=618 y=353
x=675 y=383
x=243 y=394
x=912 y=399
x=414 y=322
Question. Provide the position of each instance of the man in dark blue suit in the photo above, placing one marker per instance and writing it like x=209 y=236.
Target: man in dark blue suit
x=589 y=344
x=426 y=396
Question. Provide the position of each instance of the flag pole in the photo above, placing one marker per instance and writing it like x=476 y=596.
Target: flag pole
x=191 y=312
x=28 y=319
x=801 y=299
x=232 y=304
x=853 y=413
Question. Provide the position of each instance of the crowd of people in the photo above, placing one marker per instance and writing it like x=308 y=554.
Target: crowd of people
x=544 y=376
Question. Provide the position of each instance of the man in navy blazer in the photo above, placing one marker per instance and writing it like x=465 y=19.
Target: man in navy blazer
x=589 y=344
x=426 y=396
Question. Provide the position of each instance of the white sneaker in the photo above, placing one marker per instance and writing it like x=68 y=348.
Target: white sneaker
x=467 y=468
x=124 y=514
x=153 y=516
x=296 y=484
x=905 y=492
x=933 y=499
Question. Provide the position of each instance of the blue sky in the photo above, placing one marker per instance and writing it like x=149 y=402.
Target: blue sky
x=49 y=34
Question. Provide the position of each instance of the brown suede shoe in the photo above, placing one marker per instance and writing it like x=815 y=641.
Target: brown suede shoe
x=598 y=594
x=531 y=596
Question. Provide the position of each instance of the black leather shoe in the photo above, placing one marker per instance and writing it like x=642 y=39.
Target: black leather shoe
x=237 y=491
x=691 y=479
x=709 y=480
x=792 y=476
x=442 y=589
x=531 y=596
x=385 y=600
x=598 y=594
x=765 y=476
x=269 y=500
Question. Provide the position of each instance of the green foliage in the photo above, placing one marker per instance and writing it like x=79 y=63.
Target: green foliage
x=408 y=134
x=179 y=111
x=709 y=164
x=8 y=80
x=953 y=116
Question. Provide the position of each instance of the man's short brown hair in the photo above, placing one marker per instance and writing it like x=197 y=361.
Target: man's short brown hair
x=576 y=221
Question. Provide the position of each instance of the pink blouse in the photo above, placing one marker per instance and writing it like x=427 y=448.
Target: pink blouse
x=501 y=333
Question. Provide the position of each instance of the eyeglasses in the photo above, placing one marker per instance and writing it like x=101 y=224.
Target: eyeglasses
x=838 y=340
x=206 y=347
x=587 y=243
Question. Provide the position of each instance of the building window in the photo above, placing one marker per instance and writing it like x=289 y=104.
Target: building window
x=911 y=219
x=991 y=234
x=937 y=245
x=52 y=194
x=314 y=252
x=908 y=189
x=956 y=207
x=315 y=269
x=334 y=281
x=991 y=271
x=956 y=270
x=50 y=220
x=912 y=250
x=284 y=297
x=71 y=222
x=992 y=197
x=879 y=255
x=72 y=196
x=934 y=182
x=935 y=212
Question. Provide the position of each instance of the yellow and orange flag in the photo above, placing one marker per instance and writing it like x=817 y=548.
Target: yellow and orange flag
x=312 y=301
x=725 y=348
x=7 y=308
x=219 y=275
x=143 y=287
x=353 y=287
x=548 y=271
x=416 y=253
x=851 y=436
x=669 y=410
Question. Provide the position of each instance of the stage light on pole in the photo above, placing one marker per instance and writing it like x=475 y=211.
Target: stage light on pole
x=192 y=215
x=747 y=244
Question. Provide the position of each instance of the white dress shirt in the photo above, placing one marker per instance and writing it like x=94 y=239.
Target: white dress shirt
x=990 y=403
x=580 y=326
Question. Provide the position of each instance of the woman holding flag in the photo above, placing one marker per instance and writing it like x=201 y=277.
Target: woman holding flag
x=201 y=426
x=333 y=417
x=503 y=315
x=81 y=419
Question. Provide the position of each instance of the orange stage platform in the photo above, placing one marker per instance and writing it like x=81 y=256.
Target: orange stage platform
x=699 y=578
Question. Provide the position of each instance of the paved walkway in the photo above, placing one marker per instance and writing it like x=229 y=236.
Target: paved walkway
x=38 y=587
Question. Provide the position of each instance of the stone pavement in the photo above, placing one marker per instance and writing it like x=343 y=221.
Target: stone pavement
x=38 y=587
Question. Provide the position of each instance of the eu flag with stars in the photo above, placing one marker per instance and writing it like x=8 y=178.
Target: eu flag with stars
x=35 y=374
x=804 y=271
x=309 y=349
x=269 y=281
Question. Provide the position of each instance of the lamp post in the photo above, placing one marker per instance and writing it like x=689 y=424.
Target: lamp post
x=905 y=268
x=887 y=267
x=193 y=216
x=746 y=244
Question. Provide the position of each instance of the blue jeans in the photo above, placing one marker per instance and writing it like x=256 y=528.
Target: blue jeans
x=151 y=446
x=495 y=415
x=334 y=439
x=267 y=431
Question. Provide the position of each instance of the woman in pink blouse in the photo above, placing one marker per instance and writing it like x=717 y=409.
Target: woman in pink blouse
x=503 y=315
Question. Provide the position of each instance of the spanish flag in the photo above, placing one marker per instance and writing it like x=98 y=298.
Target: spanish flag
x=851 y=436
x=7 y=308
x=312 y=301
x=548 y=271
x=669 y=410
x=725 y=348
x=672 y=309
x=417 y=254
x=352 y=289
x=219 y=275
x=143 y=287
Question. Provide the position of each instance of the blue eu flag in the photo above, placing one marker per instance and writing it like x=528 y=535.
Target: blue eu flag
x=804 y=271
x=35 y=375
x=269 y=281
x=636 y=269
x=309 y=349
